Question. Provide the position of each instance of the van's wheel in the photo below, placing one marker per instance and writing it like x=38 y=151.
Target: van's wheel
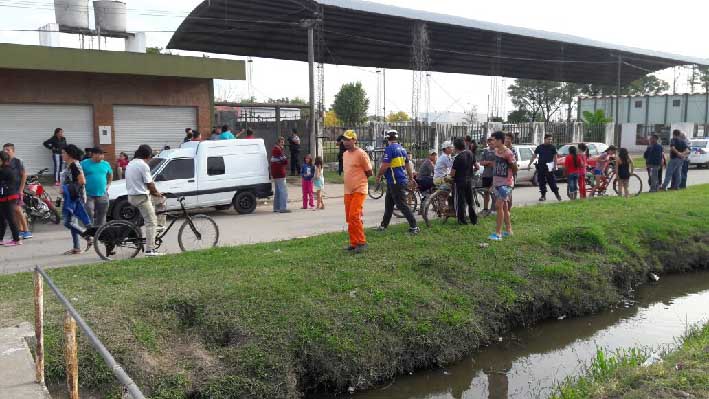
x=245 y=202
x=123 y=210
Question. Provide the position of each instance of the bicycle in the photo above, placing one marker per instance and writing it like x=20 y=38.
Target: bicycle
x=438 y=205
x=479 y=192
x=121 y=239
x=635 y=186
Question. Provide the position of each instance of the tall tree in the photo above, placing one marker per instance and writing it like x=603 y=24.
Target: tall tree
x=596 y=118
x=647 y=85
x=400 y=116
x=699 y=78
x=351 y=104
x=539 y=97
x=331 y=119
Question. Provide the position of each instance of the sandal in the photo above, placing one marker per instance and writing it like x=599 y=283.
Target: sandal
x=73 y=252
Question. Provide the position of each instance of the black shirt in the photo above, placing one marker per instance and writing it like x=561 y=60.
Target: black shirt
x=680 y=145
x=294 y=144
x=17 y=168
x=55 y=144
x=342 y=145
x=463 y=166
x=546 y=153
x=8 y=185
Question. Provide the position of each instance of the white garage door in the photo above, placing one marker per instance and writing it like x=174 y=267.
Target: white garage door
x=28 y=126
x=155 y=126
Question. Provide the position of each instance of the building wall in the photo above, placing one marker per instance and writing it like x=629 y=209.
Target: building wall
x=103 y=91
x=663 y=109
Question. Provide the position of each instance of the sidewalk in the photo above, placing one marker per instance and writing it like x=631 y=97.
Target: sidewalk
x=17 y=369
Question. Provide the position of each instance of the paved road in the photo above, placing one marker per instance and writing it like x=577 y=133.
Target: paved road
x=262 y=226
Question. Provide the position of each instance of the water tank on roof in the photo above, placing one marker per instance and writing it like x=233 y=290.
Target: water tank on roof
x=110 y=15
x=72 y=13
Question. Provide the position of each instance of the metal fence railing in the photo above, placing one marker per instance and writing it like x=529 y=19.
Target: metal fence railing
x=72 y=318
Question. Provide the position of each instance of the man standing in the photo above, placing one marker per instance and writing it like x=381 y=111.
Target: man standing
x=294 y=146
x=278 y=172
x=685 y=164
x=188 y=135
x=461 y=173
x=678 y=151
x=545 y=167
x=488 y=161
x=653 y=159
x=357 y=169
x=398 y=172
x=216 y=132
x=18 y=168
x=143 y=195
x=98 y=175
x=226 y=133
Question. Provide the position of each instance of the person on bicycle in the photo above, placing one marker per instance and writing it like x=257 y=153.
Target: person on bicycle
x=444 y=163
x=600 y=172
x=398 y=171
x=143 y=195
x=424 y=178
x=461 y=172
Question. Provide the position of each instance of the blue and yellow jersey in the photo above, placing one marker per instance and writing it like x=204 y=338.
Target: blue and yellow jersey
x=395 y=155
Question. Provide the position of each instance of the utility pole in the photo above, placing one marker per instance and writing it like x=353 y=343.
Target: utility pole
x=617 y=96
x=384 y=76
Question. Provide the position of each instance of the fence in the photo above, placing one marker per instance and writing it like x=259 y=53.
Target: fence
x=71 y=319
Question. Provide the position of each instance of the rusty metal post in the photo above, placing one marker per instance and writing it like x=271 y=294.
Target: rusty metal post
x=71 y=356
x=39 y=326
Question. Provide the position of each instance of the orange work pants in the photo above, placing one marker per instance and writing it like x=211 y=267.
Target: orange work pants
x=353 y=214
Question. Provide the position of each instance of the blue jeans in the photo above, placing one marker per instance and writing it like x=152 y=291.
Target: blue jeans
x=653 y=172
x=685 y=171
x=280 y=196
x=573 y=182
x=673 y=173
x=71 y=224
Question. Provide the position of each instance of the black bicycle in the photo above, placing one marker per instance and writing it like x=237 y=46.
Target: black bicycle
x=121 y=239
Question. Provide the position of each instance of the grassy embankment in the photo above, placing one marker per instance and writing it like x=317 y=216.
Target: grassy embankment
x=278 y=319
x=683 y=373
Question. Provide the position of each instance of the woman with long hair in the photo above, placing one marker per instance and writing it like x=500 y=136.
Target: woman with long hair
x=73 y=182
x=625 y=169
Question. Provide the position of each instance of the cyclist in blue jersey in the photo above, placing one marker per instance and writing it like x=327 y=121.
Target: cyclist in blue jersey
x=398 y=171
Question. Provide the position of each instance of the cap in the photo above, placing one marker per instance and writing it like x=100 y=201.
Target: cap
x=432 y=151
x=391 y=135
x=350 y=135
x=96 y=150
x=446 y=144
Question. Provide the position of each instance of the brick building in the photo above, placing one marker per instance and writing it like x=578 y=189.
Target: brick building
x=114 y=100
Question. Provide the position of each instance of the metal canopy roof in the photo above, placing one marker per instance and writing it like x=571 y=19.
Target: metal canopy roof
x=367 y=34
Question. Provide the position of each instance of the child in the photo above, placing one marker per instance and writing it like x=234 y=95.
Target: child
x=121 y=165
x=600 y=172
x=573 y=170
x=583 y=161
x=625 y=169
x=319 y=182
x=307 y=172
x=503 y=182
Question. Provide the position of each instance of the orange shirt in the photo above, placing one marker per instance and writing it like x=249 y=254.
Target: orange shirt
x=355 y=164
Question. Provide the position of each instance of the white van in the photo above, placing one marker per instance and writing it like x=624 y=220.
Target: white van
x=219 y=174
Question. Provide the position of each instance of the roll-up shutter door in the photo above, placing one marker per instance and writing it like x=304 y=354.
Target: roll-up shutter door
x=27 y=126
x=155 y=126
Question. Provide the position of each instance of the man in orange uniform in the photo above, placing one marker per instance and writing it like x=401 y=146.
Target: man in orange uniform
x=357 y=170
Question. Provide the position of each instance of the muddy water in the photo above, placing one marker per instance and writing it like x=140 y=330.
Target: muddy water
x=527 y=363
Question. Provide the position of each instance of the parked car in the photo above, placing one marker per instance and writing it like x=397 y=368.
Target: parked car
x=699 y=155
x=219 y=174
x=594 y=150
x=524 y=153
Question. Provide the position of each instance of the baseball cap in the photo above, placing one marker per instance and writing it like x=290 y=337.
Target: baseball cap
x=432 y=151
x=350 y=135
x=446 y=144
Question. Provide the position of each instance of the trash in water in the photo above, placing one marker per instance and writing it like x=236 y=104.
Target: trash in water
x=561 y=317
x=653 y=359
x=654 y=277
x=445 y=372
x=484 y=245
x=499 y=339
x=350 y=390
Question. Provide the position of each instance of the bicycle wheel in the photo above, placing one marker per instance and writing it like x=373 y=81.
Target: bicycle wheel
x=201 y=233
x=436 y=205
x=411 y=200
x=635 y=185
x=377 y=191
x=117 y=240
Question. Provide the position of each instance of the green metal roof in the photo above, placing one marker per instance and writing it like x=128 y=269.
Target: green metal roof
x=14 y=56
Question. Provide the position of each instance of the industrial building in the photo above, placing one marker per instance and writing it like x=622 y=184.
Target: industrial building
x=112 y=99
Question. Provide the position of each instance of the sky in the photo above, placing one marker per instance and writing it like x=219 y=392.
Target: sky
x=678 y=27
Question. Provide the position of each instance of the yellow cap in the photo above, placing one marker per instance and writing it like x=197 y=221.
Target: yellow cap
x=350 y=135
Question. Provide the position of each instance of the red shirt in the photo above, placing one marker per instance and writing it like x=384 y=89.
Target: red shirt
x=278 y=163
x=571 y=168
x=122 y=163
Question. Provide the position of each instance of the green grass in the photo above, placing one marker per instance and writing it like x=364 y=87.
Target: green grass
x=639 y=162
x=684 y=373
x=276 y=320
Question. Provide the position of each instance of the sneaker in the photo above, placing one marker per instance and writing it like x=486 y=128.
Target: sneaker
x=284 y=211
x=11 y=243
x=494 y=237
x=542 y=198
x=349 y=248
x=360 y=248
x=25 y=235
x=153 y=253
x=558 y=197
x=380 y=228
x=507 y=234
x=6 y=242
x=414 y=230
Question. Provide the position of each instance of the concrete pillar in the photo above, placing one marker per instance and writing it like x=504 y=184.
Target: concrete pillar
x=610 y=133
